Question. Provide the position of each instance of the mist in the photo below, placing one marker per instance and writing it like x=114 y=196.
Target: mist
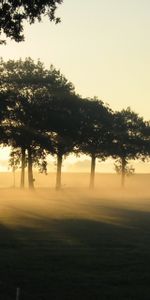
x=74 y=200
x=47 y=234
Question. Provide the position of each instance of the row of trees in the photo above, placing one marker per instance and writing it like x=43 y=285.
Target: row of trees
x=41 y=114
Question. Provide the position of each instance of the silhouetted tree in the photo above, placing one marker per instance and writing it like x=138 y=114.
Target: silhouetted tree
x=41 y=105
x=66 y=138
x=96 y=136
x=23 y=79
x=60 y=119
x=14 y=13
x=128 y=140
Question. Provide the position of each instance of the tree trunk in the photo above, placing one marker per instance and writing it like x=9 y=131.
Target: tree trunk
x=123 y=164
x=30 y=171
x=58 y=175
x=92 y=175
x=23 y=155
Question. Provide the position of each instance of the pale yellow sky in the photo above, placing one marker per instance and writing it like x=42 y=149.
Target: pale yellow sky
x=102 y=46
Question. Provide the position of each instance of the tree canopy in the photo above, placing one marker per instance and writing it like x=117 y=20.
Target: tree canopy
x=13 y=13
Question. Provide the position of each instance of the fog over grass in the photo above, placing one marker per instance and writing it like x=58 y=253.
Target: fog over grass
x=75 y=243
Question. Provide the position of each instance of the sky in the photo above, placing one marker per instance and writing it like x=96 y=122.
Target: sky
x=101 y=46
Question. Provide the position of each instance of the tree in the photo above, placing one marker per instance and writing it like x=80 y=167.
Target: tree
x=56 y=106
x=22 y=79
x=42 y=107
x=123 y=167
x=95 y=132
x=14 y=13
x=66 y=136
x=60 y=120
x=128 y=140
x=25 y=133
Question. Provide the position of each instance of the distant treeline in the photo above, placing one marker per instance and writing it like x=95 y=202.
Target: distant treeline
x=41 y=114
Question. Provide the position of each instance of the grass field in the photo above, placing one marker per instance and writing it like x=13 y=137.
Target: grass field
x=76 y=244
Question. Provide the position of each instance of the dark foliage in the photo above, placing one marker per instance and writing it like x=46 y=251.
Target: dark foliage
x=13 y=13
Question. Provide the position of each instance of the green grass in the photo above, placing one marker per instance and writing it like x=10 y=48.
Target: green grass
x=71 y=246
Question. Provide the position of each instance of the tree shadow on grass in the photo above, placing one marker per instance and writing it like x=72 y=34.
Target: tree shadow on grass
x=78 y=258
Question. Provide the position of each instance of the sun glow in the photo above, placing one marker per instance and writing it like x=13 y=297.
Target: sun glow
x=75 y=164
